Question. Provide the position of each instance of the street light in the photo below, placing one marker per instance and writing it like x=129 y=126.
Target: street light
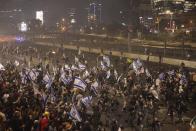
x=168 y=12
x=129 y=35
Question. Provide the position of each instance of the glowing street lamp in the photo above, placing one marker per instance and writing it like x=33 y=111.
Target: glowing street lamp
x=168 y=12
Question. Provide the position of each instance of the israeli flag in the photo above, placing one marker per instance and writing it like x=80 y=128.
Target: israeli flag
x=135 y=66
x=49 y=84
x=171 y=73
x=79 y=52
x=162 y=76
x=74 y=114
x=108 y=74
x=73 y=67
x=16 y=63
x=47 y=80
x=94 y=87
x=76 y=60
x=106 y=60
x=183 y=80
x=147 y=73
x=103 y=67
x=155 y=94
x=81 y=66
x=67 y=67
x=116 y=74
x=79 y=83
x=139 y=63
x=33 y=74
x=54 y=70
x=24 y=77
x=65 y=80
x=2 y=68
x=87 y=101
x=118 y=80
x=85 y=74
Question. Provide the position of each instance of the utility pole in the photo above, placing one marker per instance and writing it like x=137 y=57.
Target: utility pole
x=183 y=50
x=165 y=47
x=129 y=48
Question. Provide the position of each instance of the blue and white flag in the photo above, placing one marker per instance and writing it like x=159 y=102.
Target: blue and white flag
x=24 y=77
x=87 y=101
x=33 y=74
x=94 y=87
x=139 y=63
x=16 y=63
x=106 y=60
x=47 y=80
x=85 y=74
x=183 y=80
x=135 y=66
x=116 y=74
x=162 y=76
x=79 y=83
x=171 y=73
x=103 y=67
x=67 y=67
x=76 y=60
x=74 y=114
x=2 y=68
x=155 y=94
x=81 y=66
x=147 y=73
x=119 y=78
x=73 y=67
x=65 y=80
x=108 y=73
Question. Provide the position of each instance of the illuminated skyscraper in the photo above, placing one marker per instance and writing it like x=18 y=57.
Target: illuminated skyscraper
x=40 y=16
x=71 y=16
x=162 y=6
x=190 y=6
x=94 y=16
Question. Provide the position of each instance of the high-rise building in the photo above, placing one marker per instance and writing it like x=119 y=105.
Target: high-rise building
x=40 y=16
x=9 y=19
x=190 y=6
x=71 y=16
x=94 y=15
x=23 y=27
x=162 y=6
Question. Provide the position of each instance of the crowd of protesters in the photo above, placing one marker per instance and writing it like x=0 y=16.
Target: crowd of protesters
x=69 y=91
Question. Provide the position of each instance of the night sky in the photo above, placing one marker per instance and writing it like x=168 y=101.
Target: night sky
x=57 y=8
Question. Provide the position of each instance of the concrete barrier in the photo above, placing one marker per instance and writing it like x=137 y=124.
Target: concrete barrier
x=170 y=61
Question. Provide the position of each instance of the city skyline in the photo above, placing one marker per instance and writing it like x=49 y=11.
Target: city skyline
x=55 y=10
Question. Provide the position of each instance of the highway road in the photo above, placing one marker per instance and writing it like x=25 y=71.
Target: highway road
x=134 y=47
